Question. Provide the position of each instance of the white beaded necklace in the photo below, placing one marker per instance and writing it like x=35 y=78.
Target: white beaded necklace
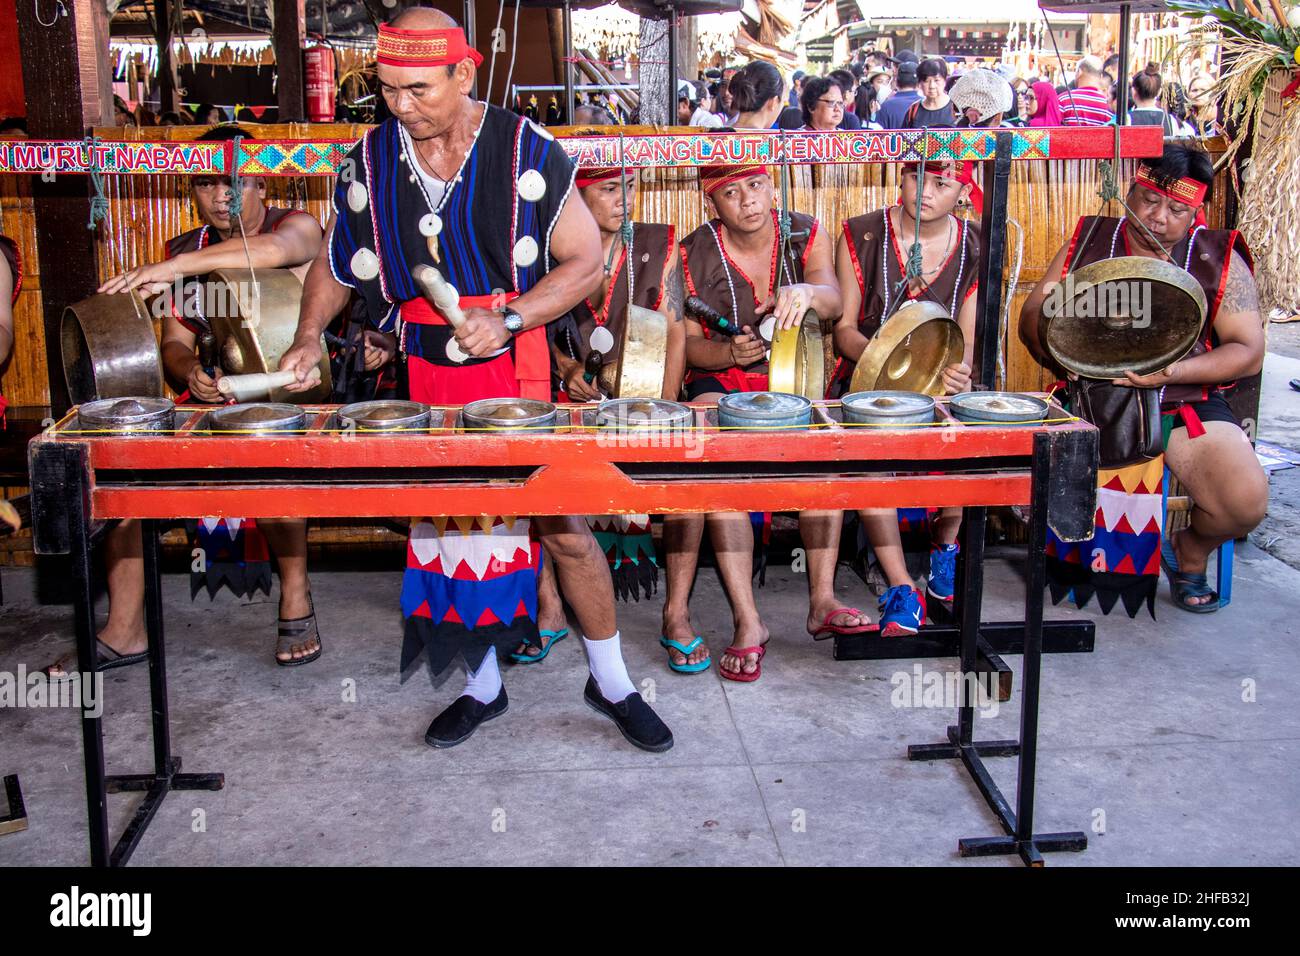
x=884 y=268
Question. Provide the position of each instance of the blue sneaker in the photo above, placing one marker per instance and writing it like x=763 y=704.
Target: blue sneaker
x=943 y=572
x=902 y=609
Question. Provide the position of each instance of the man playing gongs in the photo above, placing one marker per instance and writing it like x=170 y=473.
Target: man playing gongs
x=1205 y=447
x=743 y=270
x=642 y=270
x=493 y=192
x=235 y=553
x=871 y=260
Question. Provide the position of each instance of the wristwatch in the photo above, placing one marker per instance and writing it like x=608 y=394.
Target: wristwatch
x=514 y=322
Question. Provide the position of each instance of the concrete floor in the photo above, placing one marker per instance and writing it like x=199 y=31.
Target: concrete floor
x=1147 y=739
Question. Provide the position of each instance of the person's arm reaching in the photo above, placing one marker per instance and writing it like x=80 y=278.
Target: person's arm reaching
x=295 y=242
x=323 y=297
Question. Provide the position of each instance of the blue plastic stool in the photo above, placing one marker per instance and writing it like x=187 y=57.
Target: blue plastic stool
x=1223 y=555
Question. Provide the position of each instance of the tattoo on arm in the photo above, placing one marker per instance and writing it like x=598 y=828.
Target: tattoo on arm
x=1241 y=294
x=675 y=294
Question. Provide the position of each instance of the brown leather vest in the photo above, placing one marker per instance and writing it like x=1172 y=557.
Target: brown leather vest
x=710 y=273
x=650 y=245
x=877 y=254
x=1104 y=237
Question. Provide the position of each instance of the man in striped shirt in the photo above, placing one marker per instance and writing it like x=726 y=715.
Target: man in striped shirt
x=1088 y=104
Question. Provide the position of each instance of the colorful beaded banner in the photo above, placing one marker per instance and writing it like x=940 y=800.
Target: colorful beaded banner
x=323 y=157
x=79 y=156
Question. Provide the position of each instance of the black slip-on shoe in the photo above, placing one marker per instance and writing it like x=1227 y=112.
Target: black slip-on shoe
x=457 y=723
x=634 y=718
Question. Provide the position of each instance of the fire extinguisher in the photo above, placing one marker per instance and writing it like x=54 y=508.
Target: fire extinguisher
x=320 y=84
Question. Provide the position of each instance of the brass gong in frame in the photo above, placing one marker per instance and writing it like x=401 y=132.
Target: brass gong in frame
x=910 y=351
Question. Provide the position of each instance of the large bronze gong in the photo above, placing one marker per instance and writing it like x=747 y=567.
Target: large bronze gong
x=1128 y=313
x=109 y=349
x=798 y=364
x=910 y=351
x=643 y=355
x=255 y=322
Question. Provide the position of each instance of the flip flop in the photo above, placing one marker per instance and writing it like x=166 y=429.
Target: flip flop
x=685 y=650
x=105 y=660
x=1184 y=585
x=828 y=629
x=742 y=653
x=555 y=637
x=297 y=631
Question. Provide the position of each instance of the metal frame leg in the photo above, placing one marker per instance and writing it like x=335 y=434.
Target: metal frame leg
x=1018 y=825
x=166 y=774
x=16 y=819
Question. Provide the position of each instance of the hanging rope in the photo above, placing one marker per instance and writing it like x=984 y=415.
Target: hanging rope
x=236 y=181
x=625 y=230
x=98 y=199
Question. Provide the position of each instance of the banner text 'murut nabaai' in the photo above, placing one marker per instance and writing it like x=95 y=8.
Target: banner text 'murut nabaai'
x=19 y=156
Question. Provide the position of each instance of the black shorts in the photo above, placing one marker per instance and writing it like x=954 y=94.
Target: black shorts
x=703 y=385
x=1213 y=409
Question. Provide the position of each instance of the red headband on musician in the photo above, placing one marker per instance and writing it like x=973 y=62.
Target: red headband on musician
x=590 y=175
x=398 y=47
x=713 y=178
x=1190 y=192
x=963 y=172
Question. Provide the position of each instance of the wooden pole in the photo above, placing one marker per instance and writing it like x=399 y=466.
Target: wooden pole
x=69 y=89
x=162 y=20
x=291 y=86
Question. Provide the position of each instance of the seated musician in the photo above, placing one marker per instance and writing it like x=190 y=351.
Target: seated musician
x=731 y=264
x=595 y=327
x=871 y=262
x=234 y=551
x=1205 y=447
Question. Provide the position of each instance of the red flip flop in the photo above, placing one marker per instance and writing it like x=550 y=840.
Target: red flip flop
x=742 y=653
x=828 y=629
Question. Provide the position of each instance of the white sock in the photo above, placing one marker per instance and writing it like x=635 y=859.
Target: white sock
x=606 y=661
x=484 y=684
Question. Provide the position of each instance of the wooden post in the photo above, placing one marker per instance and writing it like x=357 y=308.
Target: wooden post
x=69 y=88
x=162 y=18
x=291 y=85
x=656 y=106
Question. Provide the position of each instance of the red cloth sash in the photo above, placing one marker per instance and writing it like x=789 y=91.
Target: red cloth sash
x=531 y=364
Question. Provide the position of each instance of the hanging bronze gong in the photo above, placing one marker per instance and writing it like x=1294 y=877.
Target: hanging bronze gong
x=797 y=365
x=642 y=357
x=109 y=349
x=255 y=323
x=1130 y=313
x=910 y=351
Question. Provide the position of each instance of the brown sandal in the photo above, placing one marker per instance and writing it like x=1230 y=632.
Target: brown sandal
x=297 y=631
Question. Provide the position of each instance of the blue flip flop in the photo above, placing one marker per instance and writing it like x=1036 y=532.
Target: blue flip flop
x=555 y=638
x=1184 y=585
x=685 y=650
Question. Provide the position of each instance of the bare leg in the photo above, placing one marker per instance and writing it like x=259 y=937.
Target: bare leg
x=682 y=536
x=124 y=630
x=550 y=609
x=733 y=546
x=881 y=526
x=287 y=539
x=945 y=527
x=1227 y=484
x=820 y=531
x=582 y=571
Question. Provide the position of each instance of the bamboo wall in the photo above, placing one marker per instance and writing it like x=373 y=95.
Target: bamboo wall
x=1047 y=197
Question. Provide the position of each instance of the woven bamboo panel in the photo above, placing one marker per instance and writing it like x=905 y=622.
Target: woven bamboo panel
x=1046 y=198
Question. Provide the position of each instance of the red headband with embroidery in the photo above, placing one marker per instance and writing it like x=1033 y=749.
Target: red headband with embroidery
x=1190 y=192
x=416 y=48
x=590 y=175
x=964 y=173
x=713 y=178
